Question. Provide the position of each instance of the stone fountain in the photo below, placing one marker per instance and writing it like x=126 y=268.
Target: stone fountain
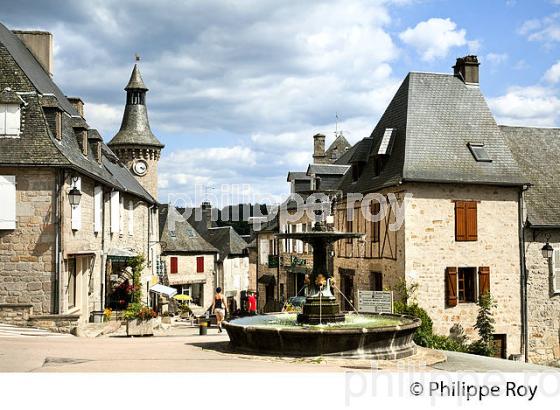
x=321 y=328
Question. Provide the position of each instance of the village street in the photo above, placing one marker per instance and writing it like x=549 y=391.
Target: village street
x=183 y=350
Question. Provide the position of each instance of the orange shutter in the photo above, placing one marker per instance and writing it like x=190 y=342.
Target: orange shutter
x=451 y=286
x=483 y=280
x=460 y=221
x=471 y=221
x=174 y=264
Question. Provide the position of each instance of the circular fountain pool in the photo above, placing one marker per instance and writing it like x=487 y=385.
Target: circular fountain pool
x=374 y=336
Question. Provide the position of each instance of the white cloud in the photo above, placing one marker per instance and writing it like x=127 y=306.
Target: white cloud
x=495 y=59
x=434 y=38
x=545 y=30
x=552 y=75
x=530 y=106
x=106 y=118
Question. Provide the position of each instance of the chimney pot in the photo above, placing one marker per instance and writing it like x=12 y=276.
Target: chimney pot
x=466 y=68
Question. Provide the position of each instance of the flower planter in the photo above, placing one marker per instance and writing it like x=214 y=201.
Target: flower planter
x=139 y=327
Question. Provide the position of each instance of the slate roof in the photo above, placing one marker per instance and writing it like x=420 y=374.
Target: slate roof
x=178 y=236
x=297 y=175
x=537 y=150
x=36 y=145
x=327 y=169
x=135 y=126
x=226 y=240
x=435 y=117
x=339 y=146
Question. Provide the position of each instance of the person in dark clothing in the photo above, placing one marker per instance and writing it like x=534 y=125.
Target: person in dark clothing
x=219 y=308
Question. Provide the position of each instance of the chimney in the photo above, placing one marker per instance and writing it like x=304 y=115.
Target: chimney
x=319 y=156
x=206 y=208
x=466 y=68
x=78 y=105
x=40 y=43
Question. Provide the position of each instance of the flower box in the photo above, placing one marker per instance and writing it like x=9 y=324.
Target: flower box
x=140 y=327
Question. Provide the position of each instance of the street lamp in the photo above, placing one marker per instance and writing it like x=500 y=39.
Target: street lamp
x=74 y=196
x=547 y=250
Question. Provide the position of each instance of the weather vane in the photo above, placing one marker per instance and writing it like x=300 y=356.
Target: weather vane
x=137 y=57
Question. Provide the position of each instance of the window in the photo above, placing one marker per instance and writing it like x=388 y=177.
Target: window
x=121 y=215
x=466 y=221
x=8 y=208
x=10 y=120
x=71 y=289
x=386 y=145
x=462 y=284
x=466 y=285
x=555 y=272
x=76 y=211
x=174 y=264
x=357 y=168
x=479 y=152
x=377 y=281
x=375 y=225
x=379 y=162
x=97 y=208
x=200 y=264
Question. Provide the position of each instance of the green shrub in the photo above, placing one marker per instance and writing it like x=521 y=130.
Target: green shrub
x=139 y=311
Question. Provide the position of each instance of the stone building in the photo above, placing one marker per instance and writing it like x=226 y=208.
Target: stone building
x=189 y=260
x=232 y=264
x=452 y=188
x=71 y=213
x=536 y=151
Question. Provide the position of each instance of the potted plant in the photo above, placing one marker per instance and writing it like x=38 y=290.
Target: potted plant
x=139 y=320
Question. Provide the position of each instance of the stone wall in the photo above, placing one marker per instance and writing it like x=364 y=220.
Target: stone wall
x=430 y=248
x=27 y=254
x=15 y=314
x=236 y=275
x=186 y=266
x=543 y=305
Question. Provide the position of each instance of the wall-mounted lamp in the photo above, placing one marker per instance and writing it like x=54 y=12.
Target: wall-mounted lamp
x=74 y=196
x=547 y=250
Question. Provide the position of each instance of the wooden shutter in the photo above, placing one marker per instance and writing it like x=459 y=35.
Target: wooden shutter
x=555 y=272
x=97 y=208
x=199 y=264
x=13 y=120
x=76 y=212
x=8 y=197
x=471 y=220
x=451 y=286
x=130 y=218
x=3 y=108
x=174 y=264
x=460 y=221
x=483 y=280
x=115 y=212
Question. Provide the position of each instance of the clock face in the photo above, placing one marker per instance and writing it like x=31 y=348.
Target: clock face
x=140 y=167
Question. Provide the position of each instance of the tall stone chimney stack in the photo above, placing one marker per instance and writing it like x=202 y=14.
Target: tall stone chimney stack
x=466 y=68
x=40 y=43
x=319 y=156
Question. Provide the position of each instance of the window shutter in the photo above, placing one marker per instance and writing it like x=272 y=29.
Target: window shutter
x=8 y=208
x=556 y=272
x=131 y=218
x=115 y=220
x=3 y=119
x=174 y=263
x=121 y=215
x=97 y=208
x=13 y=119
x=264 y=251
x=451 y=286
x=471 y=220
x=460 y=221
x=199 y=264
x=483 y=280
x=76 y=212
x=299 y=244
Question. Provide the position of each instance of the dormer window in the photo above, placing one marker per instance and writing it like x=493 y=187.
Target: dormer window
x=357 y=169
x=10 y=120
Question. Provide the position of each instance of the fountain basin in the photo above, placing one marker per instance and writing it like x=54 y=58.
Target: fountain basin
x=371 y=336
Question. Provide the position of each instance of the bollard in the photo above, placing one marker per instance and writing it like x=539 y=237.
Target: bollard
x=203 y=328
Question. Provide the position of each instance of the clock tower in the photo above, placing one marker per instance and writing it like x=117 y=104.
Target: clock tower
x=135 y=144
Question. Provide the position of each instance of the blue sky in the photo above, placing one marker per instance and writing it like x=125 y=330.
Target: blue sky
x=238 y=88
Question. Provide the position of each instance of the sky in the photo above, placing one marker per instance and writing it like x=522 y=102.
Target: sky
x=238 y=88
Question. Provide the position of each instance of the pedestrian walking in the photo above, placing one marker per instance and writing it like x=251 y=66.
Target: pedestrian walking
x=219 y=308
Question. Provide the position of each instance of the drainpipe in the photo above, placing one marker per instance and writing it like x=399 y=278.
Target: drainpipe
x=103 y=269
x=58 y=240
x=524 y=310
